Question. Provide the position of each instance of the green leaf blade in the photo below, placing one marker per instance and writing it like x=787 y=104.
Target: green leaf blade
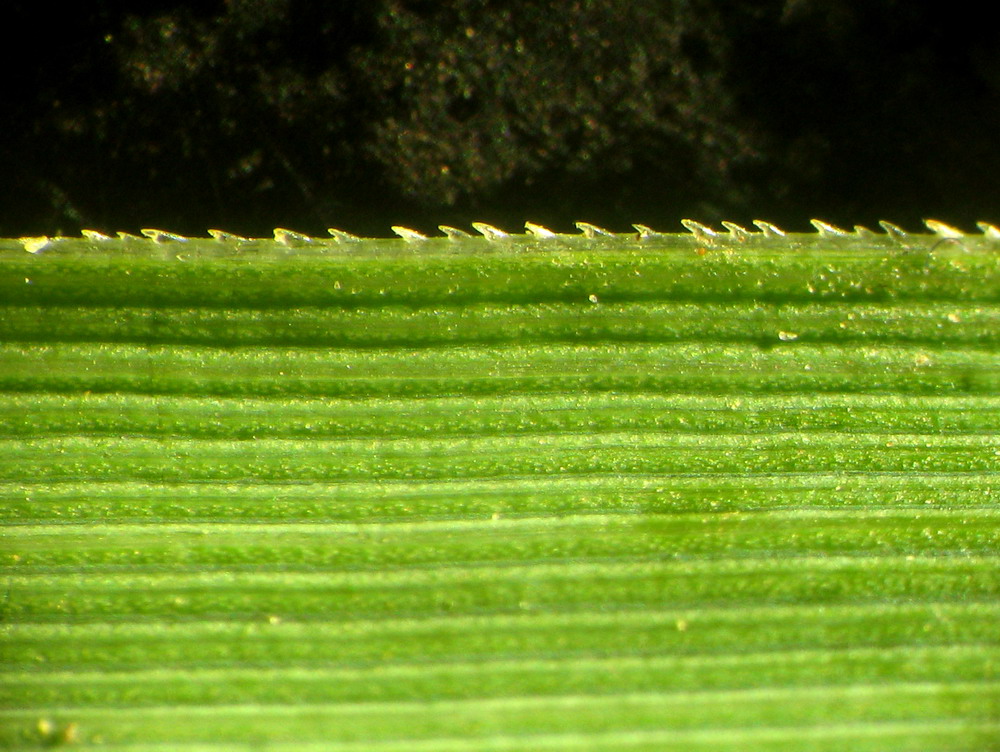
x=557 y=494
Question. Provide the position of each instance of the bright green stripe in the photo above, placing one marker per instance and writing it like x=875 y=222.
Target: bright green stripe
x=502 y=586
x=169 y=460
x=637 y=271
x=384 y=501
x=534 y=630
x=936 y=325
x=492 y=678
x=939 y=535
x=946 y=736
x=898 y=621
x=689 y=368
x=576 y=714
x=740 y=573
x=510 y=526
x=592 y=536
x=37 y=415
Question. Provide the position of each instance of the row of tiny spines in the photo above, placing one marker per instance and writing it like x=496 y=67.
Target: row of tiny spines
x=702 y=233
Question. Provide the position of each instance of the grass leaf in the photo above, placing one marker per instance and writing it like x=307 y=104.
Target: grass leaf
x=710 y=492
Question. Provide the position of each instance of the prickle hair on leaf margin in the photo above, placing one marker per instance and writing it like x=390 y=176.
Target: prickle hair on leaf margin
x=702 y=233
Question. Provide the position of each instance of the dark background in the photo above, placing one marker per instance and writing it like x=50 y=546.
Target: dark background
x=358 y=114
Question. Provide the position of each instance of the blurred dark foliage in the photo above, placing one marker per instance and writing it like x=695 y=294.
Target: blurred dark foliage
x=246 y=114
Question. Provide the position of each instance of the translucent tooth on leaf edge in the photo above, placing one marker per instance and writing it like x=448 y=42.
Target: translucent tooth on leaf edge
x=702 y=233
x=591 y=231
x=226 y=237
x=453 y=233
x=411 y=236
x=95 y=235
x=769 y=230
x=162 y=236
x=990 y=231
x=489 y=231
x=290 y=237
x=647 y=232
x=342 y=237
x=35 y=245
x=826 y=230
x=942 y=230
x=737 y=232
x=538 y=231
x=894 y=231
